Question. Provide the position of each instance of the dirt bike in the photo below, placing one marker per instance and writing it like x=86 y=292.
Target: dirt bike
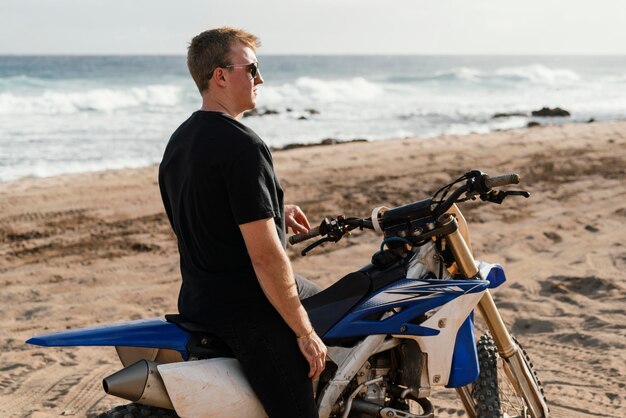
x=397 y=329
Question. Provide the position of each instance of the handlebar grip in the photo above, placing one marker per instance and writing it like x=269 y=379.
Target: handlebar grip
x=313 y=232
x=503 y=180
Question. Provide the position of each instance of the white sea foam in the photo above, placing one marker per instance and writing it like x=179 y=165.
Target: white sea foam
x=535 y=73
x=538 y=73
x=461 y=73
x=50 y=168
x=56 y=118
x=312 y=90
x=52 y=102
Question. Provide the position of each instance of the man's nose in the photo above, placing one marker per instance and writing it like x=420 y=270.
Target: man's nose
x=259 y=78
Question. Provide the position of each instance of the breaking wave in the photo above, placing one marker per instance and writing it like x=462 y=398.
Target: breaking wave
x=52 y=102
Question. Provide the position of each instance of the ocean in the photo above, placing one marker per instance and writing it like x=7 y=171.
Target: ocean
x=67 y=114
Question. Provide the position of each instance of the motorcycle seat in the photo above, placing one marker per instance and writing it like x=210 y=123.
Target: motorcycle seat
x=326 y=308
x=202 y=343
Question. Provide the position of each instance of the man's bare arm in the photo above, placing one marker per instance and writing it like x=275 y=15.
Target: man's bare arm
x=274 y=272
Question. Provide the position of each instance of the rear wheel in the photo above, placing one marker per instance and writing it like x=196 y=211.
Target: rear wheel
x=493 y=392
x=135 y=410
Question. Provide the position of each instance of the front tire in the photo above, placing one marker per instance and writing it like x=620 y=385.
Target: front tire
x=135 y=410
x=493 y=392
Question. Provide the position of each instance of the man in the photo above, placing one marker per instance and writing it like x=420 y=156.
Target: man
x=225 y=205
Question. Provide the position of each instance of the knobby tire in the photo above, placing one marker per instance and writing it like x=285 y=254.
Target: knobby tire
x=493 y=393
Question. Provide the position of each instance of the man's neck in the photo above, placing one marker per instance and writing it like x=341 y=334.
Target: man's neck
x=212 y=104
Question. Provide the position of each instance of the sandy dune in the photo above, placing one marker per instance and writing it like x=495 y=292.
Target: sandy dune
x=94 y=248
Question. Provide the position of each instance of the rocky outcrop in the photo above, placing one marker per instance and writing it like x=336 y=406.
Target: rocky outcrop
x=266 y=111
x=551 y=112
x=508 y=115
x=260 y=112
x=327 y=141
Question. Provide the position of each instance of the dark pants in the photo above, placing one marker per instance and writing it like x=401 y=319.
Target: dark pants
x=269 y=355
x=306 y=288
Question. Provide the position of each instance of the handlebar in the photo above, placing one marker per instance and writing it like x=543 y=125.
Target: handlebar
x=499 y=181
x=296 y=239
x=428 y=210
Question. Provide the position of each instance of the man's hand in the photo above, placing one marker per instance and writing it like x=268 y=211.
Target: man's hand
x=314 y=351
x=296 y=219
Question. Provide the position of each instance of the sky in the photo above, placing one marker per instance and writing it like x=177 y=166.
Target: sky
x=386 y=27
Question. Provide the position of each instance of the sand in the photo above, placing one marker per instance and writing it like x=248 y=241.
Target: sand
x=85 y=249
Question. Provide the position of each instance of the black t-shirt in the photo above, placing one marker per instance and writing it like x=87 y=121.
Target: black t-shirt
x=216 y=174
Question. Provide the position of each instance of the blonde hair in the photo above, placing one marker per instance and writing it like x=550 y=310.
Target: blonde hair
x=211 y=49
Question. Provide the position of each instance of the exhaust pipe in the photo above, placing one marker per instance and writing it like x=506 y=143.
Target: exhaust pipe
x=140 y=382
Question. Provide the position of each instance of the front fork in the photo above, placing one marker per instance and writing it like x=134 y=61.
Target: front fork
x=514 y=364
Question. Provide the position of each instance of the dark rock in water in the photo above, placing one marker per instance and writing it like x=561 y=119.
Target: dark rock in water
x=532 y=124
x=333 y=141
x=289 y=110
x=592 y=120
x=327 y=141
x=257 y=112
x=551 y=112
x=292 y=146
x=303 y=118
x=252 y=112
x=507 y=115
x=312 y=111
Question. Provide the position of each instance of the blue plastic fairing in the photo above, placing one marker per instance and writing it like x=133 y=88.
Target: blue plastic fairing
x=150 y=333
x=415 y=297
x=464 y=368
x=493 y=273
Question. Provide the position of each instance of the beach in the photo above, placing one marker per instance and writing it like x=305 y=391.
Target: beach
x=94 y=248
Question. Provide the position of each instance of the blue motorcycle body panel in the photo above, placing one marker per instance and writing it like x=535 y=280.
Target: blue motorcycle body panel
x=415 y=296
x=149 y=333
x=493 y=273
x=465 y=367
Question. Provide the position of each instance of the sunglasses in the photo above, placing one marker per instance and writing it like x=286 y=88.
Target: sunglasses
x=252 y=68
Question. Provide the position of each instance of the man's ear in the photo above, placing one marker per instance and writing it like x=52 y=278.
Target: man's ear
x=220 y=76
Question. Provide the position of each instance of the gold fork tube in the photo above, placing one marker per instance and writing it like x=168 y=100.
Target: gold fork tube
x=486 y=306
x=497 y=328
x=460 y=250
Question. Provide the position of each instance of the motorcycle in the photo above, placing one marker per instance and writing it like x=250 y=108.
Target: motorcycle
x=396 y=330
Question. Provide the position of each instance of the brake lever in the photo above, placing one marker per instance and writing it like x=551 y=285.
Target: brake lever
x=498 y=196
x=335 y=229
x=318 y=243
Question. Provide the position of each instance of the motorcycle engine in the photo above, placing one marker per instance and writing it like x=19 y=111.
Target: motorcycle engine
x=376 y=392
x=386 y=378
x=378 y=365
